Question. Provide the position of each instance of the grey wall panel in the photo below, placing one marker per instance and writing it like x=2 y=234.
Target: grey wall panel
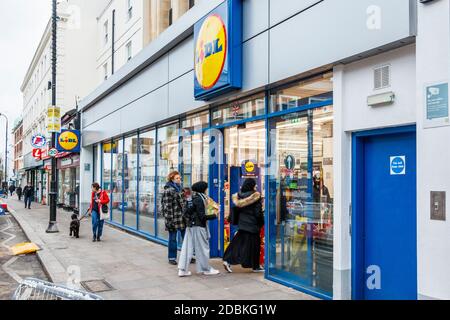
x=181 y=59
x=105 y=128
x=255 y=62
x=150 y=79
x=283 y=9
x=331 y=31
x=256 y=17
x=145 y=111
x=181 y=95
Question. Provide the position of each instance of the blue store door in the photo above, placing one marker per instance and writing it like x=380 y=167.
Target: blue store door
x=388 y=208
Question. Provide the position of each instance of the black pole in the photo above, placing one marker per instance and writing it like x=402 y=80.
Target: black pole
x=112 y=42
x=6 y=150
x=52 y=226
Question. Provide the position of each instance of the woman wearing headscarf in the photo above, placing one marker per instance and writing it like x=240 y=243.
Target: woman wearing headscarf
x=197 y=234
x=245 y=248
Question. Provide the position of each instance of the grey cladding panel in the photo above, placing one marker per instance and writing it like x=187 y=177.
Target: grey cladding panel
x=256 y=17
x=334 y=30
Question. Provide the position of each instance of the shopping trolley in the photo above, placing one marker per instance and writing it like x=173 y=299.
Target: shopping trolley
x=35 y=289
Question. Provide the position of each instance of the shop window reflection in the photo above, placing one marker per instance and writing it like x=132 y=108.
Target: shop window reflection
x=117 y=181
x=167 y=154
x=301 y=198
x=239 y=110
x=130 y=181
x=314 y=90
x=147 y=182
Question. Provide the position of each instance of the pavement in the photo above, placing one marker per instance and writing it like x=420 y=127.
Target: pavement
x=135 y=268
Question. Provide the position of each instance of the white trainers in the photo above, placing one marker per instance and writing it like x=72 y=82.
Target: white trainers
x=227 y=267
x=211 y=272
x=182 y=273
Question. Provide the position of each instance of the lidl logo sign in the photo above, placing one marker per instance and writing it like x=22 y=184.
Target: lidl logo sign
x=68 y=141
x=249 y=166
x=218 y=51
x=210 y=52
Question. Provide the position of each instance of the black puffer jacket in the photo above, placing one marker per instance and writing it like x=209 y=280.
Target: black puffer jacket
x=198 y=210
x=250 y=209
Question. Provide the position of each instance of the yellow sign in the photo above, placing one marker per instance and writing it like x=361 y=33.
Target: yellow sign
x=249 y=166
x=210 y=51
x=54 y=119
x=68 y=140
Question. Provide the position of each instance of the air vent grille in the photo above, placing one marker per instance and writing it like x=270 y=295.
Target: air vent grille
x=382 y=77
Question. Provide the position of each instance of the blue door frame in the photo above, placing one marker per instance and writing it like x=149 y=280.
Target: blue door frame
x=357 y=214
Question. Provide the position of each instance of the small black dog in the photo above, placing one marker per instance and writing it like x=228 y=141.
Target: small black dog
x=75 y=226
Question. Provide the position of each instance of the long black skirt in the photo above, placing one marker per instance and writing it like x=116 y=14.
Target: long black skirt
x=244 y=249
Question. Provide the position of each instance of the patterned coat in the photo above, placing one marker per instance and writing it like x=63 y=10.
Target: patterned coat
x=172 y=209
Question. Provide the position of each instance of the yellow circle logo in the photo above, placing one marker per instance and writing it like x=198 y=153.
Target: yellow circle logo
x=68 y=140
x=249 y=166
x=210 y=51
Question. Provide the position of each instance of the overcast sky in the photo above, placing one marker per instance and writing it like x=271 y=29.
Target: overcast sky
x=22 y=23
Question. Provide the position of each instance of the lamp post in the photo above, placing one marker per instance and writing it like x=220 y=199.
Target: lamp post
x=6 y=148
x=52 y=226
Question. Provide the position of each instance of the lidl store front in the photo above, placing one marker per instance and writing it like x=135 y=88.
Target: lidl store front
x=283 y=121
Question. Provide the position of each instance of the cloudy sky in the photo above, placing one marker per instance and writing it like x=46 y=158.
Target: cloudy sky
x=22 y=23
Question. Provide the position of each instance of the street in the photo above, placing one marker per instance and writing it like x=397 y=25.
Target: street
x=15 y=268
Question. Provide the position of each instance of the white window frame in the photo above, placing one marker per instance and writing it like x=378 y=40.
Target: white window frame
x=129 y=10
x=105 y=32
x=129 y=48
x=105 y=71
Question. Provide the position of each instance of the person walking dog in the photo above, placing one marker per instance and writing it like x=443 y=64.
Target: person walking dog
x=172 y=209
x=99 y=198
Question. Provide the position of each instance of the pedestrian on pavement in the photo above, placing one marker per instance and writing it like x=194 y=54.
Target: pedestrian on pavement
x=12 y=188
x=28 y=193
x=19 y=192
x=245 y=247
x=172 y=209
x=99 y=198
x=197 y=234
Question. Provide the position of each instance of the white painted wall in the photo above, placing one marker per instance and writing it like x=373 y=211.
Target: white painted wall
x=353 y=83
x=433 y=154
x=126 y=30
x=358 y=84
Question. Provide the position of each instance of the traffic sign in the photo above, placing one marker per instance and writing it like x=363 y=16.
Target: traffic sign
x=52 y=152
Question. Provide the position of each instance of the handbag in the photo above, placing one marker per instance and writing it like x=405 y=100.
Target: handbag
x=212 y=209
x=104 y=213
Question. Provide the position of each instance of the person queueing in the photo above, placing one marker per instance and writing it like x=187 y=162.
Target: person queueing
x=172 y=209
x=197 y=235
x=19 y=193
x=98 y=199
x=245 y=247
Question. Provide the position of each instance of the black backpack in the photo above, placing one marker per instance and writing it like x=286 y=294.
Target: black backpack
x=188 y=212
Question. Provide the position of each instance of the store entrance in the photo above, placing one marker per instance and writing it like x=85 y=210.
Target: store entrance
x=300 y=229
x=244 y=148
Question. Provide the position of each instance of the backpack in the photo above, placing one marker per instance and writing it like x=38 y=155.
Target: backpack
x=188 y=212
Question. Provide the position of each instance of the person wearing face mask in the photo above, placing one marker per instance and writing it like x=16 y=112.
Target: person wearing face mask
x=172 y=209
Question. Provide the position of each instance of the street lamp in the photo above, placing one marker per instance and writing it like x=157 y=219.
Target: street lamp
x=6 y=148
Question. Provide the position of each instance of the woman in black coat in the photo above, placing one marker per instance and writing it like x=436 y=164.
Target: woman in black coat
x=245 y=247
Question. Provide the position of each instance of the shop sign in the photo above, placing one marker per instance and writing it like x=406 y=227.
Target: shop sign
x=248 y=168
x=436 y=97
x=54 y=119
x=66 y=162
x=218 y=51
x=38 y=141
x=37 y=154
x=68 y=141
x=398 y=165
